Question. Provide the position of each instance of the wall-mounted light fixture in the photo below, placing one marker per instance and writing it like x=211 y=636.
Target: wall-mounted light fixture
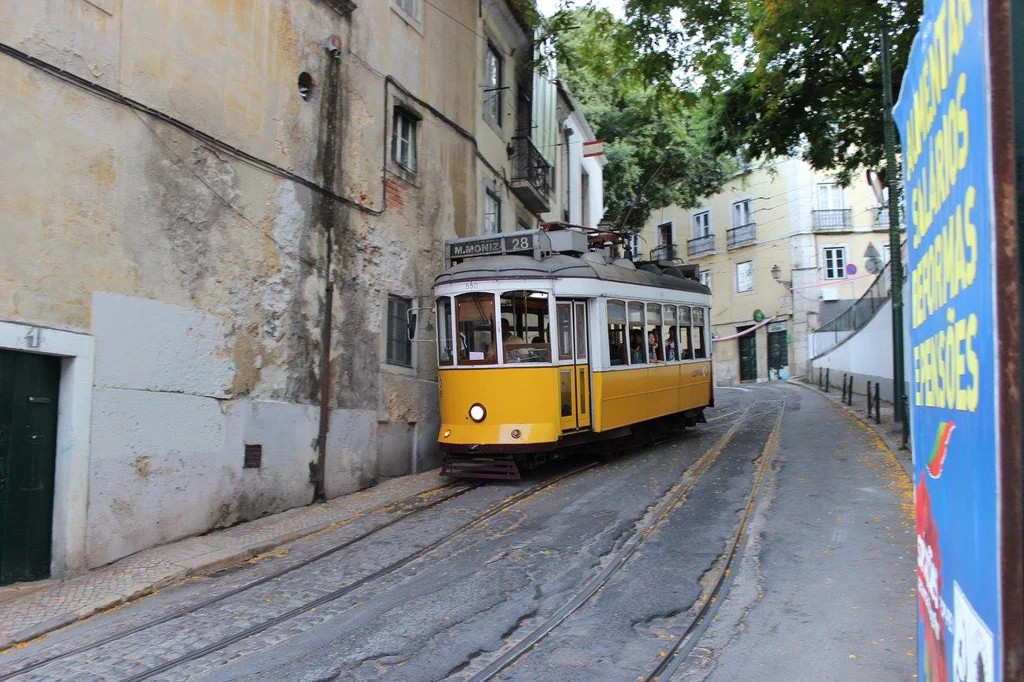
x=777 y=276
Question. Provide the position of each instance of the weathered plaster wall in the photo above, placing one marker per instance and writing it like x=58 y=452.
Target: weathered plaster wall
x=201 y=278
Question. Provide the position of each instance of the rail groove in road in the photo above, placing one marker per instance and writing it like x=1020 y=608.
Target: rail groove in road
x=671 y=500
x=458 y=490
x=685 y=642
x=313 y=604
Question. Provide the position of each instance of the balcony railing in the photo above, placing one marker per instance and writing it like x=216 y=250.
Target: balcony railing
x=663 y=253
x=832 y=220
x=700 y=245
x=740 y=236
x=532 y=176
x=882 y=219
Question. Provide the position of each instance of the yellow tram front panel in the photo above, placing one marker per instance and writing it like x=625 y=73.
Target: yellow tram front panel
x=523 y=399
x=630 y=396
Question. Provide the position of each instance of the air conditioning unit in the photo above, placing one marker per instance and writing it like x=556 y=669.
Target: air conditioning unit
x=828 y=294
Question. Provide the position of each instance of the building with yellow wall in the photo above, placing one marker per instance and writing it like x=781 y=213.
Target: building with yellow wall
x=780 y=243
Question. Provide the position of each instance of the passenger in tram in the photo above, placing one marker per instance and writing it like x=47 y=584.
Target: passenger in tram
x=653 y=347
x=636 y=347
x=671 y=345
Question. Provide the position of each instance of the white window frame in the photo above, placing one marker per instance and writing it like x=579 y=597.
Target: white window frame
x=492 y=225
x=744 y=207
x=705 y=278
x=830 y=197
x=404 y=139
x=697 y=230
x=750 y=288
x=671 y=225
x=835 y=248
x=396 y=333
x=493 y=84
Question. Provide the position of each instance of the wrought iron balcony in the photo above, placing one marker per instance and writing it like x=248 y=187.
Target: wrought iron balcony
x=882 y=219
x=700 y=245
x=741 y=236
x=832 y=220
x=532 y=176
x=663 y=253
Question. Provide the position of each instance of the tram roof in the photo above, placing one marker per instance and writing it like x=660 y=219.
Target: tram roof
x=560 y=266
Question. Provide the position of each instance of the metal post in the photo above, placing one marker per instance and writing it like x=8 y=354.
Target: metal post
x=878 y=404
x=895 y=246
x=826 y=379
x=869 y=399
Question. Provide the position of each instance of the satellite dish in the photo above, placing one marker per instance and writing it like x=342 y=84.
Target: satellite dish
x=873 y=265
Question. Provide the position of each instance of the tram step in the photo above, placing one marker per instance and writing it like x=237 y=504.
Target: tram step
x=502 y=468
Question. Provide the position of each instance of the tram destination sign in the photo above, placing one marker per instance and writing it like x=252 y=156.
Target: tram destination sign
x=533 y=242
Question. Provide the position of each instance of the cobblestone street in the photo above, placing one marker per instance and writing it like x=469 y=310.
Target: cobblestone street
x=584 y=570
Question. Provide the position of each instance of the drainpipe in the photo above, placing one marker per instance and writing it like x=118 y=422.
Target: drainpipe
x=328 y=168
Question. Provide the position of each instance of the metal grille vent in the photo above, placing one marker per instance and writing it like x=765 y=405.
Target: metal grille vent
x=253 y=456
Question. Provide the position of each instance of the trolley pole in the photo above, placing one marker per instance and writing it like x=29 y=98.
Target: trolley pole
x=895 y=245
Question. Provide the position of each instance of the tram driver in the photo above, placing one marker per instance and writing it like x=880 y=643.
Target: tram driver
x=507 y=338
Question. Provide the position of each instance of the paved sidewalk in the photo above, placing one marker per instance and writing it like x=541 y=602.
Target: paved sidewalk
x=889 y=430
x=33 y=609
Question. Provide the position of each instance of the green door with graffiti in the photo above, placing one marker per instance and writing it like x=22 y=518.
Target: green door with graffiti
x=29 y=386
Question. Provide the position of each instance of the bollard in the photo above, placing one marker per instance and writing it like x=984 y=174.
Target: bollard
x=878 y=405
x=906 y=421
x=826 y=379
x=869 y=399
x=819 y=378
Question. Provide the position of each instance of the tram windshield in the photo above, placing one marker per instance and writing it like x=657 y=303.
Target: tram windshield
x=526 y=327
x=699 y=346
x=445 y=354
x=474 y=324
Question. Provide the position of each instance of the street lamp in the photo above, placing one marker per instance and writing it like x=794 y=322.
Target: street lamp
x=777 y=276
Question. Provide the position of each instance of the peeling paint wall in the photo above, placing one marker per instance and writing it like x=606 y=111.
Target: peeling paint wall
x=203 y=277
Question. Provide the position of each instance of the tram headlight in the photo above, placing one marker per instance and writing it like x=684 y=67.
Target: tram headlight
x=477 y=412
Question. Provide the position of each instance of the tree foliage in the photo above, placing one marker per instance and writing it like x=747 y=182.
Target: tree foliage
x=655 y=141
x=783 y=77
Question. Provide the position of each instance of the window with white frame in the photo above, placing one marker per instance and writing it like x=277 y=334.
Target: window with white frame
x=745 y=276
x=492 y=85
x=705 y=278
x=492 y=212
x=410 y=7
x=830 y=197
x=835 y=262
x=403 y=139
x=741 y=213
x=701 y=224
x=886 y=253
x=633 y=244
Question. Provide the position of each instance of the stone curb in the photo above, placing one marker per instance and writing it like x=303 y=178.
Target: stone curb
x=902 y=456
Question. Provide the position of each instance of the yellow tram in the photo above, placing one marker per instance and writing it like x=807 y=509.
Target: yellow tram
x=543 y=344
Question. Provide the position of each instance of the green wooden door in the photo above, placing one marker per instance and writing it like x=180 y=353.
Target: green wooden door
x=748 y=355
x=29 y=386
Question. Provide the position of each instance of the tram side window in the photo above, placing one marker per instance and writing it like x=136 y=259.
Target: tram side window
x=637 y=335
x=526 y=314
x=670 y=342
x=655 y=350
x=699 y=345
x=617 y=333
x=685 y=348
x=445 y=354
x=474 y=322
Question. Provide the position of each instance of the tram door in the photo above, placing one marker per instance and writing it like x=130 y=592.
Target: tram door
x=573 y=363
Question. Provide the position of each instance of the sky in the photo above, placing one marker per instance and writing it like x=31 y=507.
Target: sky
x=548 y=7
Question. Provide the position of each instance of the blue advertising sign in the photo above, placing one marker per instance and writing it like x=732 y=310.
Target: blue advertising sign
x=944 y=121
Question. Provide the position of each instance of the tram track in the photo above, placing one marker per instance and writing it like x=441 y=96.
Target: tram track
x=459 y=489
x=669 y=502
x=308 y=606
x=684 y=643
